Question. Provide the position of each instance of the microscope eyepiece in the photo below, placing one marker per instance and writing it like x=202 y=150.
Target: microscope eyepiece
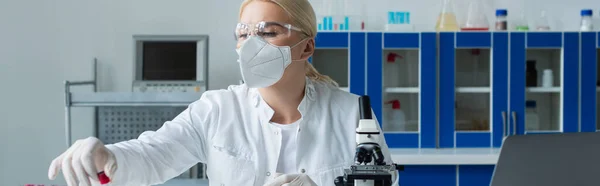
x=365 y=107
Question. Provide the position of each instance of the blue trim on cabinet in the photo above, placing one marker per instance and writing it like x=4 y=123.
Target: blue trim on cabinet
x=571 y=82
x=473 y=139
x=447 y=90
x=544 y=40
x=473 y=39
x=428 y=175
x=588 y=86
x=428 y=88
x=401 y=40
x=475 y=175
x=499 y=87
x=598 y=38
x=517 y=82
x=331 y=40
x=357 y=63
x=402 y=140
x=374 y=73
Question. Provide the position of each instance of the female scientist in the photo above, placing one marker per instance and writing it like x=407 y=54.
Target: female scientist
x=287 y=125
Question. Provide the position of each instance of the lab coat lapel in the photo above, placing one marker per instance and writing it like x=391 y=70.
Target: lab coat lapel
x=270 y=142
x=304 y=139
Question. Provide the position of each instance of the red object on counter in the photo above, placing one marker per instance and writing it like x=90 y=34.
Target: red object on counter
x=103 y=178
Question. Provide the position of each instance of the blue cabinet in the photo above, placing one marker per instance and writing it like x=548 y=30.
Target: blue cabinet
x=341 y=55
x=473 y=88
x=556 y=103
x=401 y=67
x=468 y=89
x=590 y=48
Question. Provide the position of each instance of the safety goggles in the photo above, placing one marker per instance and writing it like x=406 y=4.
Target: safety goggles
x=269 y=31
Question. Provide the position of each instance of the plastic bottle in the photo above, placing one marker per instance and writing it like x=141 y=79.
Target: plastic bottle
x=397 y=118
x=447 y=19
x=531 y=116
x=586 y=20
x=501 y=19
x=392 y=70
x=542 y=24
x=476 y=19
x=531 y=74
x=547 y=78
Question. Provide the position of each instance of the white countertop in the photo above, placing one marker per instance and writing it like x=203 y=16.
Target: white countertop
x=185 y=182
x=450 y=156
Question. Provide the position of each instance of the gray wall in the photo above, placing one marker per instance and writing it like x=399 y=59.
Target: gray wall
x=43 y=43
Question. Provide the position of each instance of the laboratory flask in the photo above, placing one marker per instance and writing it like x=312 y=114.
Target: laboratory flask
x=542 y=23
x=447 y=18
x=476 y=18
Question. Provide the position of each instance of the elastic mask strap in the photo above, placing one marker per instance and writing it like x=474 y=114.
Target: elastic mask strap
x=295 y=45
x=298 y=43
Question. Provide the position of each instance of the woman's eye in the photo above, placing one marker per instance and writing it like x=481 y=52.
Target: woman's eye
x=269 y=34
x=242 y=36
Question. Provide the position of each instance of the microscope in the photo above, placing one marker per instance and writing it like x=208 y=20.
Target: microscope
x=370 y=168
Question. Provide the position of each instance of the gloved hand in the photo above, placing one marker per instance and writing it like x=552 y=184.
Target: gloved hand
x=291 y=180
x=82 y=161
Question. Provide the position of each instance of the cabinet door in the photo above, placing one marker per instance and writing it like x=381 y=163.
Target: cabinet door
x=473 y=88
x=401 y=81
x=544 y=80
x=332 y=58
x=589 y=81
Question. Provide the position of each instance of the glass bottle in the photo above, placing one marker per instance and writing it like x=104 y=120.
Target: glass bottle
x=586 y=20
x=501 y=19
x=447 y=18
x=531 y=74
x=542 y=24
x=476 y=19
x=531 y=117
x=522 y=24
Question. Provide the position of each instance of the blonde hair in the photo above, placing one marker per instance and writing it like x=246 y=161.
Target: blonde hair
x=303 y=16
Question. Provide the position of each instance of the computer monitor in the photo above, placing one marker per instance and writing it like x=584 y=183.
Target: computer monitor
x=571 y=159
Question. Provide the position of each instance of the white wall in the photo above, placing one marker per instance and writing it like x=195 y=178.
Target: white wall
x=43 y=43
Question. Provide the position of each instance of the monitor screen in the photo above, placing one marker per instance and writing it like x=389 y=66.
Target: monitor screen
x=169 y=60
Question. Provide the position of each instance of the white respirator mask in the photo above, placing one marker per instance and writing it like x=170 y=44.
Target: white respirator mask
x=261 y=63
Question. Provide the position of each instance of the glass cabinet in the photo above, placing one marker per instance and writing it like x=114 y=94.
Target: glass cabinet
x=468 y=89
x=401 y=81
x=341 y=56
x=473 y=85
x=544 y=79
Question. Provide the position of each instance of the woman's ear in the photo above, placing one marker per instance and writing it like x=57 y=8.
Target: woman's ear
x=309 y=50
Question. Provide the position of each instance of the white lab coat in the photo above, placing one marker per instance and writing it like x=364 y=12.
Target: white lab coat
x=229 y=130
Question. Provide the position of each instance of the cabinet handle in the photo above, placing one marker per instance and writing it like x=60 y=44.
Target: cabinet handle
x=504 y=126
x=514 y=117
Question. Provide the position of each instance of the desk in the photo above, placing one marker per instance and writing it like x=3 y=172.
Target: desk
x=450 y=156
x=185 y=182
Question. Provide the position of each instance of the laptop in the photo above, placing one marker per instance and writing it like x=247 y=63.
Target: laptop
x=565 y=159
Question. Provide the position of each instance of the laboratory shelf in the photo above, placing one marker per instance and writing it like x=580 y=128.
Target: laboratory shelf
x=473 y=89
x=402 y=90
x=96 y=99
x=445 y=156
x=544 y=89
